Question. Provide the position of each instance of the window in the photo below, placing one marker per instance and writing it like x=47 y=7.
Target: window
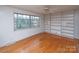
x=68 y=25
x=25 y=21
x=56 y=24
x=61 y=24
x=35 y=22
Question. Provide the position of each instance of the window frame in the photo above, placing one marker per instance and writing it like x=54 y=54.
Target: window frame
x=30 y=22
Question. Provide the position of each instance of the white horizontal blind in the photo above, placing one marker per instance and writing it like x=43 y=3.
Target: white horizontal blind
x=68 y=24
x=60 y=24
x=56 y=24
x=47 y=23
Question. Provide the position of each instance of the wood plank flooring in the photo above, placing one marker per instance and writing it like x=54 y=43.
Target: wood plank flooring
x=43 y=43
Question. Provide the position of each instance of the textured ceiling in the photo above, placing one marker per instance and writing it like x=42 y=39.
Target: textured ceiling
x=41 y=8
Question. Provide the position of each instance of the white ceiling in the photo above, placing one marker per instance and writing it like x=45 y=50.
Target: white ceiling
x=41 y=8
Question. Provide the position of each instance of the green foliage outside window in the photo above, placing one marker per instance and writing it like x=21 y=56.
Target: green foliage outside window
x=25 y=21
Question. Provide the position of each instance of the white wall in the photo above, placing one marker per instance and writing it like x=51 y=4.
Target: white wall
x=7 y=33
x=76 y=23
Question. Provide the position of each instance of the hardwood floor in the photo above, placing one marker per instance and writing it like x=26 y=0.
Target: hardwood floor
x=43 y=42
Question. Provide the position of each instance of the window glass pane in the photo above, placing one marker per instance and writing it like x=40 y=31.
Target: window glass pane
x=25 y=21
x=19 y=16
x=28 y=17
x=21 y=21
x=24 y=17
x=35 y=21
